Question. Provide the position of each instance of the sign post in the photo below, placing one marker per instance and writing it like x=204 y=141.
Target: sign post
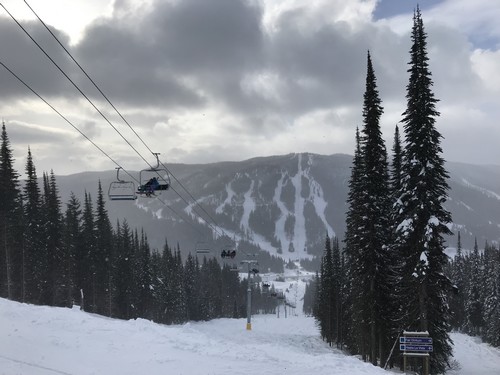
x=416 y=344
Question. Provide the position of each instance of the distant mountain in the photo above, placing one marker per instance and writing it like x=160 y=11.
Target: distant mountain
x=283 y=204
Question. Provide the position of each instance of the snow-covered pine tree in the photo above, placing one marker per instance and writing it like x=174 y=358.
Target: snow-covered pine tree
x=374 y=259
x=457 y=297
x=474 y=303
x=325 y=294
x=397 y=158
x=491 y=316
x=353 y=284
x=421 y=219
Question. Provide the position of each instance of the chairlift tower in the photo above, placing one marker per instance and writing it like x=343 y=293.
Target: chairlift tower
x=250 y=270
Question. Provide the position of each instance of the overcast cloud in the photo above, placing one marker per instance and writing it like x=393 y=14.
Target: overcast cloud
x=213 y=80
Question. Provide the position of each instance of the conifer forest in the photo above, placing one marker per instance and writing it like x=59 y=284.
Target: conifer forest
x=393 y=274
x=63 y=256
x=389 y=274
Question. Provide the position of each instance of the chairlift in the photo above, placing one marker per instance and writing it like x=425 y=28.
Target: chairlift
x=234 y=268
x=121 y=190
x=228 y=254
x=266 y=286
x=202 y=248
x=153 y=179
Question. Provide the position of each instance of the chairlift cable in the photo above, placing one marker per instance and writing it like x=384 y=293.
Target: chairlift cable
x=100 y=112
x=120 y=115
x=87 y=75
x=64 y=118
x=73 y=83
x=86 y=137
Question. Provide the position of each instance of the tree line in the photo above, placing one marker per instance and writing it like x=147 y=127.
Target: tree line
x=390 y=276
x=475 y=302
x=56 y=258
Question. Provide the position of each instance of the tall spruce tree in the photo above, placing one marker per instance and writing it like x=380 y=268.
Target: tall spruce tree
x=374 y=258
x=325 y=295
x=10 y=224
x=457 y=297
x=103 y=256
x=34 y=255
x=421 y=219
x=85 y=263
x=57 y=276
x=72 y=243
x=124 y=273
x=491 y=310
x=397 y=157
x=353 y=285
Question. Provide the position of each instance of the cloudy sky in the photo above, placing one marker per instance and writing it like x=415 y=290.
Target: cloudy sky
x=211 y=80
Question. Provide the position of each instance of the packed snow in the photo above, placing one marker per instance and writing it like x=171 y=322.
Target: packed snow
x=40 y=340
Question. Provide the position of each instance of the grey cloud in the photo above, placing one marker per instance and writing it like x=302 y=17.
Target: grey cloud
x=26 y=60
x=176 y=53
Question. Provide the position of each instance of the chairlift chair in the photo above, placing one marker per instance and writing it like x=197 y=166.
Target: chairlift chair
x=228 y=254
x=121 y=190
x=153 y=179
x=202 y=248
x=234 y=268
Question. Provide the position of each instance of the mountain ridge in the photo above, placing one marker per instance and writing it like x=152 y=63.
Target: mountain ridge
x=284 y=204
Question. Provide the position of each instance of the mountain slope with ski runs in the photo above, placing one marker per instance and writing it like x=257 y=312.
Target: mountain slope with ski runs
x=284 y=205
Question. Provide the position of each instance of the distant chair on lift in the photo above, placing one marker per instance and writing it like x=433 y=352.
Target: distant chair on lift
x=121 y=190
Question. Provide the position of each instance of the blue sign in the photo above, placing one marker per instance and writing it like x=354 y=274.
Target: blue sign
x=415 y=348
x=415 y=340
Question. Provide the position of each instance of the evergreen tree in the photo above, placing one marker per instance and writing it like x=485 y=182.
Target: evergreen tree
x=457 y=298
x=85 y=258
x=491 y=315
x=397 y=158
x=474 y=306
x=372 y=264
x=10 y=224
x=102 y=256
x=353 y=286
x=421 y=219
x=326 y=295
x=57 y=276
x=124 y=274
x=144 y=278
x=192 y=287
x=71 y=240
x=309 y=297
x=34 y=249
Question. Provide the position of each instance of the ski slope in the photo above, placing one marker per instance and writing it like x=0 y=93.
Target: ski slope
x=39 y=340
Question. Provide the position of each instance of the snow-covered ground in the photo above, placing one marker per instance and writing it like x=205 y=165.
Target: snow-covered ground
x=38 y=340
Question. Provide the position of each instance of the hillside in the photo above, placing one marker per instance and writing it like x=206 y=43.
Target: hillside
x=283 y=204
